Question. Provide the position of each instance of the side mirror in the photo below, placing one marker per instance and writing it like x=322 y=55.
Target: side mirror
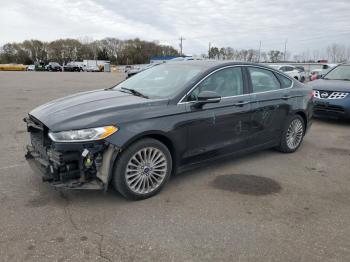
x=206 y=97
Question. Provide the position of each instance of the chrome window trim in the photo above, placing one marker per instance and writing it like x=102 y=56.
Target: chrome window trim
x=225 y=97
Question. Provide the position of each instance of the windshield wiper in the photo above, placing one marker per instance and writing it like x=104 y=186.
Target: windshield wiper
x=134 y=92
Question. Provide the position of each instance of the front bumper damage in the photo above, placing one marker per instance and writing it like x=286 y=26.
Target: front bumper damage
x=87 y=165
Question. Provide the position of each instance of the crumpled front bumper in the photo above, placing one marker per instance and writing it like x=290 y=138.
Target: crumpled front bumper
x=44 y=169
x=70 y=165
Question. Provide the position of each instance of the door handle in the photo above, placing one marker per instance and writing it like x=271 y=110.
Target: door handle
x=241 y=103
x=286 y=97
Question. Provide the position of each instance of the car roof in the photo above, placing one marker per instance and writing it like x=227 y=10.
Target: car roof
x=282 y=65
x=207 y=64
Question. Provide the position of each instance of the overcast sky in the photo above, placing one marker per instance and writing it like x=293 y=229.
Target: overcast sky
x=307 y=24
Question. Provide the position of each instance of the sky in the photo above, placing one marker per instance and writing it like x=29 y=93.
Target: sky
x=302 y=24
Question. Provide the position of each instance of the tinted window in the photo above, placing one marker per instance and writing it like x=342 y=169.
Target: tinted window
x=226 y=82
x=285 y=82
x=263 y=80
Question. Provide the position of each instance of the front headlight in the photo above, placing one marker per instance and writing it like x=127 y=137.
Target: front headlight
x=89 y=134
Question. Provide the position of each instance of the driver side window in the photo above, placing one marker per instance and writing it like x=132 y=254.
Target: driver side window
x=226 y=82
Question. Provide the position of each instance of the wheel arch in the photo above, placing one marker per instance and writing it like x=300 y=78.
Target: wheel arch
x=160 y=136
x=303 y=116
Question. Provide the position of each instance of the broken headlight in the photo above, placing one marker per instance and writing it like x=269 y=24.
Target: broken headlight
x=83 y=135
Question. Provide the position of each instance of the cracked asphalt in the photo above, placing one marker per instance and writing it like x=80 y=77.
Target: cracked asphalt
x=265 y=206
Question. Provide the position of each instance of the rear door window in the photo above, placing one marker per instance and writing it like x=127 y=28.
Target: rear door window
x=285 y=82
x=263 y=80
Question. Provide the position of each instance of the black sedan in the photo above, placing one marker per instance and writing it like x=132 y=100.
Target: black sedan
x=71 y=67
x=163 y=120
x=53 y=66
x=332 y=93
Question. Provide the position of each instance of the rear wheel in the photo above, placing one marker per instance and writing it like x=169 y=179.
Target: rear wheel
x=142 y=169
x=292 y=135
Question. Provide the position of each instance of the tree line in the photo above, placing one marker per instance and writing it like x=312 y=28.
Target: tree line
x=247 y=55
x=333 y=53
x=122 y=52
x=136 y=51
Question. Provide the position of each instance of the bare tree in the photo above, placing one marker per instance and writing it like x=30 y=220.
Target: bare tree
x=336 y=53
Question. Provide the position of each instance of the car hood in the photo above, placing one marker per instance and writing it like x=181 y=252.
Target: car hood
x=331 y=85
x=93 y=109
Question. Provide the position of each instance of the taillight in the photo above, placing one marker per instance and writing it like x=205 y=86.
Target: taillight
x=312 y=94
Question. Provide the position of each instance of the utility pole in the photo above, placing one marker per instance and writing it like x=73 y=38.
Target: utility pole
x=181 y=39
x=259 y=51
x=285 y=50
x=209 y=50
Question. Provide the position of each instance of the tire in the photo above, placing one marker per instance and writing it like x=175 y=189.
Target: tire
x=294 y=128
x=136 y=180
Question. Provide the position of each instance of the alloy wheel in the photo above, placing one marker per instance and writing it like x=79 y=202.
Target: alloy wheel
x=295 y=133
x=146 y=170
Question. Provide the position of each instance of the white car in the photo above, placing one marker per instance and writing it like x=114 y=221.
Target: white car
x=91 y=68
x=290 y=70
x=31 y=68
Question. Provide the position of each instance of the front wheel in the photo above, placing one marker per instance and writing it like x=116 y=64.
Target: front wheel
x=142 y=169
x=292 y=135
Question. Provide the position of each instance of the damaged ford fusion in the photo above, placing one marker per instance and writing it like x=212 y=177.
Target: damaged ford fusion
x=135 y=135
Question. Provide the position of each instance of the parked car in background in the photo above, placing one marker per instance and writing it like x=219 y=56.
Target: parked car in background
x=290 y=70
x=127 y=68
x=315 y=74
x=53 y=66
x=302 y=73
x=332 y=93
x=72 y=67
x=135 y=71
x=184 y=58
x=164 y=119
x=39 y=66
x=91 y=68
x=31 y=68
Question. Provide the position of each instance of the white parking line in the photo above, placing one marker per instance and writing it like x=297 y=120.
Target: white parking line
x=12 y=166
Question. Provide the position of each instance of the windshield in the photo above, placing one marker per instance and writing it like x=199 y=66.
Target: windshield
x=339 y=73
x=161 y=81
